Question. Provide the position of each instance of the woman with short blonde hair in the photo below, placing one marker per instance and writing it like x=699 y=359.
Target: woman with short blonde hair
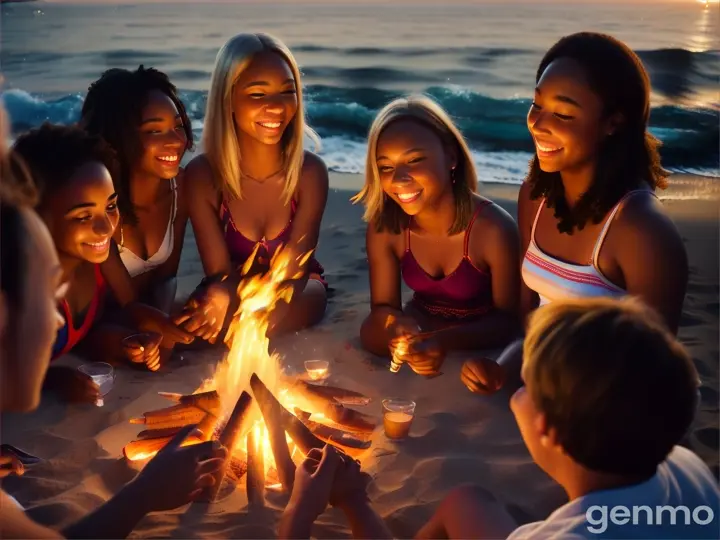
x=456 y=250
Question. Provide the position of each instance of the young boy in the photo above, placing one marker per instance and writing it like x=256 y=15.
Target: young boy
x=608 y=394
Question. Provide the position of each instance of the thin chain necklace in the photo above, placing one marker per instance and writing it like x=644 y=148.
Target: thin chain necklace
x=264 y=178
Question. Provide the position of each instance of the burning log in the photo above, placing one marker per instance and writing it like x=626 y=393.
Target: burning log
x=206 y=401
x=346 y=441
x=351 y=419
x=255 y=479
x=145 y=448
x=275 y=414
x=171 y=417
x=158 y=433
x=276 y=433
x=236 y=468
x=332 y=394
x=228 y=438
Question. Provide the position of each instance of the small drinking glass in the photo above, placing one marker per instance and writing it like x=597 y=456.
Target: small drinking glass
x=398 y=415
x=317 y=370
x=103 y=375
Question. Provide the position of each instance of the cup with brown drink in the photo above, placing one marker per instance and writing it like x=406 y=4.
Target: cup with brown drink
x=398 y=415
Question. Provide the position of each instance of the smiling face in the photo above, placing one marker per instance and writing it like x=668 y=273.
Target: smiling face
x=566 y=118
x=264 y=99
x=414 y=165
x=83 y=214
x=162 y=136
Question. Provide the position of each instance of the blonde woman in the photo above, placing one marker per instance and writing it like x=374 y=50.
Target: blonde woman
x=255 y=187
x=456 y=250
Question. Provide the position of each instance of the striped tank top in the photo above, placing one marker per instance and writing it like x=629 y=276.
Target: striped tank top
x=553 y=279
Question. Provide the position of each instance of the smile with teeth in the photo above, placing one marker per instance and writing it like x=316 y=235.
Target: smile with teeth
x=98 y=246
x=270 y=125
x=408 y=197
x=543 y=149
x=168 y=159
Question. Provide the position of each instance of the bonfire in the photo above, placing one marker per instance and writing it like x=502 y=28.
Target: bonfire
x=268 y=420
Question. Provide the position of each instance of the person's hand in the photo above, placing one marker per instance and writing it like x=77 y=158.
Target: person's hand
x=143 y=349
x=314 y=481
x=10 y=464
x=150 y=319
x=482 y=376
x=177 y=475
x=402 y=326
x=204 y=313
x=71 y=385
x=350 y=484
x=422 y=352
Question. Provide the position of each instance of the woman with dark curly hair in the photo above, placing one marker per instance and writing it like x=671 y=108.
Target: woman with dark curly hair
x=140 y=114
x=590 y=222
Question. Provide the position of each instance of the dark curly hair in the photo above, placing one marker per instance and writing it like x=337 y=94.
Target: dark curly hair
x=627 y=158
x=52 y=154
x=113 y=109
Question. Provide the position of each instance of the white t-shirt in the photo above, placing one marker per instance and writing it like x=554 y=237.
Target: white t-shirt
x=683 y=488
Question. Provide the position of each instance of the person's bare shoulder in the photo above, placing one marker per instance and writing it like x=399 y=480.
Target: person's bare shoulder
x=494 y=227
x=384 y=240
x=314 y=171
x=197 y=180
x=643 y=218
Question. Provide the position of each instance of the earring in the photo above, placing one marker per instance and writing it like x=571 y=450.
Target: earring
x=452 y=175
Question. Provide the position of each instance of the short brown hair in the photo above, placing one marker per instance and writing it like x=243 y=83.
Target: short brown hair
x=614 y=383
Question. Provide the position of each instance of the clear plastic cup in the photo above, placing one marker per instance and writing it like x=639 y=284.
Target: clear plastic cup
x=317 y=370
x=103 y=375
x=398 y=415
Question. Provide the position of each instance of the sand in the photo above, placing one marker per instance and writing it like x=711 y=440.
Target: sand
x=456 y=437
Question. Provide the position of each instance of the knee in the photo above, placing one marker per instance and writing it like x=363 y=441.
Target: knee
x=315 y=295
x=468 y=495
x=369 y=339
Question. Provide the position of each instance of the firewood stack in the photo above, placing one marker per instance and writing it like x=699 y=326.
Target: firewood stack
x=346 y=429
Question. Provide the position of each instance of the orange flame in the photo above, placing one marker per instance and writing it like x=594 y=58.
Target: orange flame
x=259 y=296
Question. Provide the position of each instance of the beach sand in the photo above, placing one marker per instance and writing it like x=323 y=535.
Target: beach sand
x=456 y=438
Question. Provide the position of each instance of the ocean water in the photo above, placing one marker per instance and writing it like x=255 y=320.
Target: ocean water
x=478 y=60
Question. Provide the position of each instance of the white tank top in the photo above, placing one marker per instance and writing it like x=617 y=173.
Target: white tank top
x=137 y=265
x=553 y=279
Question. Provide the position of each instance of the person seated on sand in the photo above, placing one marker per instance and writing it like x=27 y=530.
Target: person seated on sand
x=78 y=203
x=605 y=423
x=457 y=250
x=140 y=114
x=32 y=279
x=589 y=219
x=255 y=187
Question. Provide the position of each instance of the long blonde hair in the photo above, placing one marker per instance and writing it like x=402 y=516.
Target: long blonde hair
x=219 y=137
x=385 y=213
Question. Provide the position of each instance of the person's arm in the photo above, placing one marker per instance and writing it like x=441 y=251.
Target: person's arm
x=497 y=235
x=114 y=519
x=385 y=292
x=526 y=211
x=652 y=257
x=364 y=521
x=312 y=198
x=205 y=218
x=146 y=317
